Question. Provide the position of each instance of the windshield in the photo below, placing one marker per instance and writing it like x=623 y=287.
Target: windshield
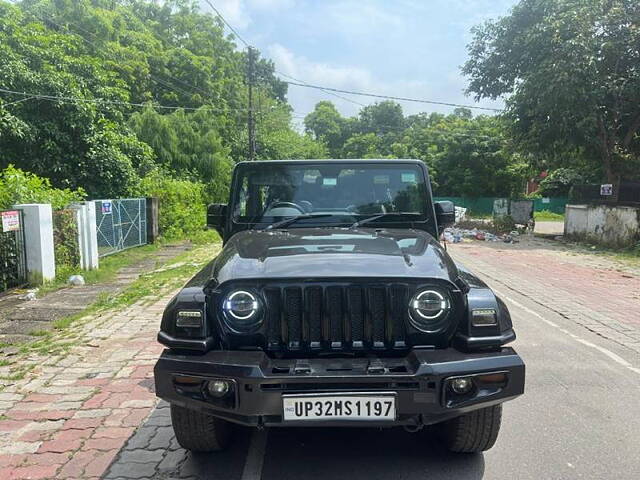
x=329 y=193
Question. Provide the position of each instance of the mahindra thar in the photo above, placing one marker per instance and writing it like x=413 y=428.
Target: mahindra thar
x=332 y=303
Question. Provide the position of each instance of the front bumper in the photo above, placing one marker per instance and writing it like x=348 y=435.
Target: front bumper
x=259 y=382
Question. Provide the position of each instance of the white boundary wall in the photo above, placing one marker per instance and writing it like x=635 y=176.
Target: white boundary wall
x=38 y=239
x=615 y=226
x=87 y=235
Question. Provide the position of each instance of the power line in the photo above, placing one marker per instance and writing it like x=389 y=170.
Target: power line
x=63 y=98
x=391 y=97
x=321 y=88
x=246 y=44
x=17 y=101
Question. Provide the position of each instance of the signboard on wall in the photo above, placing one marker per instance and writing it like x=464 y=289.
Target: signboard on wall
x=606 y=190
x=106 y=208
x=10 y=221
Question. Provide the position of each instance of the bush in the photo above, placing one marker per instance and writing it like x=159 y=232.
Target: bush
x=559 y=182
x=183 y=204
x=65 y=239
x=504 y=224
x=18 y=186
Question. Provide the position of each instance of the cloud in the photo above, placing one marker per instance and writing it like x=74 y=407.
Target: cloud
x=448 y=88
x=271 y=5
x=234 y=12
x=238 y=12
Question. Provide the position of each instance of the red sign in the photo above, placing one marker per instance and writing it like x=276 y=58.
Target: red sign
x=10 y=221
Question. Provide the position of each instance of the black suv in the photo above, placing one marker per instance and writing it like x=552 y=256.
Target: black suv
x=332 y=303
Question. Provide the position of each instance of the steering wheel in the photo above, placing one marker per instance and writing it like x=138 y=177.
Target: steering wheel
x=286 y=204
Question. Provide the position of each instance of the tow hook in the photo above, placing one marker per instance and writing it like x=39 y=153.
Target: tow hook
x=414 y=428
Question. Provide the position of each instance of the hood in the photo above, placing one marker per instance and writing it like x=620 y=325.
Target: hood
x=313 y=253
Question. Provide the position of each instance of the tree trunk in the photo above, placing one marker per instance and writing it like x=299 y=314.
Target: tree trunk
x=607 y=150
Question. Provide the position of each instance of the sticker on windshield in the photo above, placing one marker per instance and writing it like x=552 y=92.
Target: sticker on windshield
x=408 y=177
x=330 y=181
x=381 y=179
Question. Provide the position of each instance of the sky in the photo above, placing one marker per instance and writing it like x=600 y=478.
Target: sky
x=408 y=48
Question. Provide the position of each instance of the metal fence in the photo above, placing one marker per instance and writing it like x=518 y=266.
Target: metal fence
x=121 y=224
x=13 y=256
x=484 y=205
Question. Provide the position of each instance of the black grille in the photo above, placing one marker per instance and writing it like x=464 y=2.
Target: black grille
x=336 y=317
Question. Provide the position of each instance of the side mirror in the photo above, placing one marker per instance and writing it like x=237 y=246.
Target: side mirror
x=445 y=214
x=216 y=216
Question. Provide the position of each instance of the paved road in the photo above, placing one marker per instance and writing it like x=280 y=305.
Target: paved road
x=579 y=418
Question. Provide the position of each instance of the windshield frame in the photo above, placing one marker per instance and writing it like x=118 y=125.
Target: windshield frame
x=426 y=221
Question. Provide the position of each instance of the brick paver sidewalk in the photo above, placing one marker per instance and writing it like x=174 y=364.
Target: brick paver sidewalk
x=599 y=297
x=72 y=413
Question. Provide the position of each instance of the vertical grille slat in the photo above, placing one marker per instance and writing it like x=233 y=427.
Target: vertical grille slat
x=398 y=302
x=377 y=313
x=334 y=312
x=313 y=315
x=344 y=317
x=355 y=309
x=293 y=316
x=272 y=296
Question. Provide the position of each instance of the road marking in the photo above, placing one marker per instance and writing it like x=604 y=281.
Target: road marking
x=613 y=356
x=255 y=456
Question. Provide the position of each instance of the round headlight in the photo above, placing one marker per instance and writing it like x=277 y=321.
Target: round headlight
x=427 y=308
x=243 y=308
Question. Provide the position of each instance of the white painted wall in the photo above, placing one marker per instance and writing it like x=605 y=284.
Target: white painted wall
x=87 y=235
x=614 y=226
x=38 y=235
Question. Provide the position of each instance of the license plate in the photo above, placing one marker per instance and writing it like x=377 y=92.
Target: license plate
x=339 y=407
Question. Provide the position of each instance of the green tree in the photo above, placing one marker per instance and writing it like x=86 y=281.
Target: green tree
x=276 y=138
x=75 y=143
x=326 y=125
x=362 y=145
x=569 y=71
x=186 y=143
x=382 y=118
x=466 y=156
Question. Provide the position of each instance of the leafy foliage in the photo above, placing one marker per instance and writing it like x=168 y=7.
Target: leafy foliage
x=17 y=186
x=182 y=209
x=65 y=239
x=106 y=60
x=559 y=182
x=466 y=156
x=569 y=71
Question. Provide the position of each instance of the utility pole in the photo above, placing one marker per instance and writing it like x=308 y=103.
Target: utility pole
x=251 y=127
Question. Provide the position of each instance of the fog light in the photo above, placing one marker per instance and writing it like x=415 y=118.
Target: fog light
x=218 y=388
x=461 y=385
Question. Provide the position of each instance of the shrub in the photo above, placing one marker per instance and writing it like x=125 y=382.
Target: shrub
x=18 y=186
x=183 y=204
x=65 y=238
x=504 y=223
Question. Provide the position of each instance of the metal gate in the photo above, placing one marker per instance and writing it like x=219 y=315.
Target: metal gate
x=13 y=256
x=121 y=224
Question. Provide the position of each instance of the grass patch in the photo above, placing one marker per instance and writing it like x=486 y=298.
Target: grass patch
x=547 y=216
x=168 y=277
x=4 y=362
x=39 y=333
x=154 y=284
x=109 y=267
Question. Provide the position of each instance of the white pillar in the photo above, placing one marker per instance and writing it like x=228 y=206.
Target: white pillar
x=38 y=236
x=87 y=235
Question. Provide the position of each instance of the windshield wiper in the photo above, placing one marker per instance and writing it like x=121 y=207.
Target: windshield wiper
x=380 y=215
x=288 y=221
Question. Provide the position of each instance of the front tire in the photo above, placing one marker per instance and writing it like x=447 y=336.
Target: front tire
x=199 y=432
x=473 y=432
